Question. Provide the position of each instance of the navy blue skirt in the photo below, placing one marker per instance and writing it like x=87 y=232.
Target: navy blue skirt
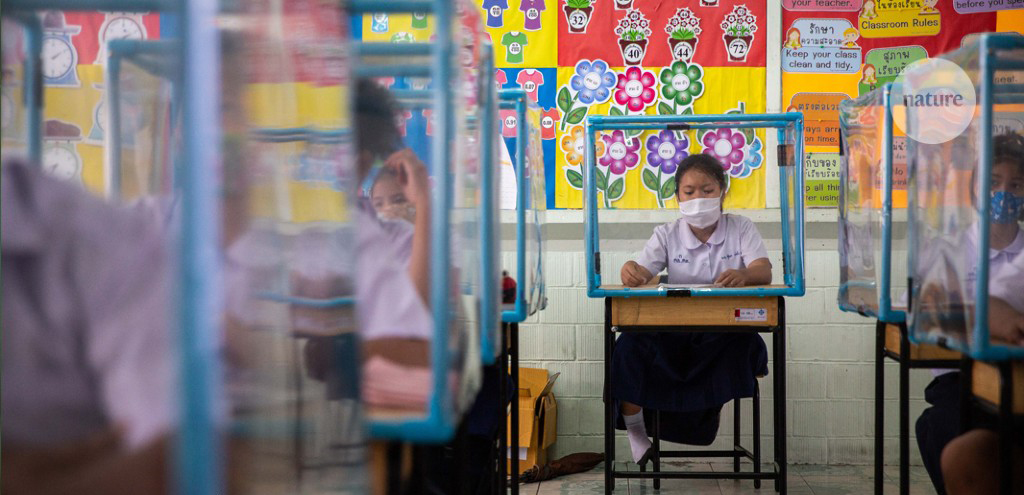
x=687 y=377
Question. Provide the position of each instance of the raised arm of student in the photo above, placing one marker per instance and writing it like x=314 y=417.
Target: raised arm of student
x=416 y=186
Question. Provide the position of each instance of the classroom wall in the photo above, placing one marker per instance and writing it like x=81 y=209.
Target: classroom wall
x=829 y=353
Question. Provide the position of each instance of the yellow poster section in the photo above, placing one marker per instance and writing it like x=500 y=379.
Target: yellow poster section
x=725 y=88
x=291 y=106
x=76 y=106
x=541 y=49
x=397 y=24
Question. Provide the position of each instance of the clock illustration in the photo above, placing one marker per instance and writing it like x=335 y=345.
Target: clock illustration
x=61 y=161
x=59 y=56
x=119 y=26
x=99 y=116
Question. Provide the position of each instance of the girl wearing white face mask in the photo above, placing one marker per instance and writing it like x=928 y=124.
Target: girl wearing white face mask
x=689 y=376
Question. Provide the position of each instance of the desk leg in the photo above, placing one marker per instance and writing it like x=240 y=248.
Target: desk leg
x=904 y=411
x=514 y=353
x=501 y=482
x=778 y=400
x=879 y=404
x=609 y=402
x=1005 y=427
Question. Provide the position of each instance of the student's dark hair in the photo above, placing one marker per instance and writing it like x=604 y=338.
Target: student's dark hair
x=703 y=163
x=1009 y=148
x=376 y=111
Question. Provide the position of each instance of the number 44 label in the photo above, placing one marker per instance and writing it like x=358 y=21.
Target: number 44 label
x=751 y=314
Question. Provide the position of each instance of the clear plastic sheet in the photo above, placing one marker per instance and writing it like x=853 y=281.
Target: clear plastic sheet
x=421 y=394
x=656 y=146
x=872 y=213
x=962 y=238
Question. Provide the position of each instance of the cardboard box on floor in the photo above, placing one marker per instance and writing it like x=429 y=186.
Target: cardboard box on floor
x=538 y=418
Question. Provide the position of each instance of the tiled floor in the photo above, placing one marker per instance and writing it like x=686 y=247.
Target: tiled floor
x=803 y=480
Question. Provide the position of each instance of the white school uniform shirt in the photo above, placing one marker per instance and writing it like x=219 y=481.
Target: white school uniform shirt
x=1007 y=283
x=734 y=244
x=998 y=259
x=387 y=303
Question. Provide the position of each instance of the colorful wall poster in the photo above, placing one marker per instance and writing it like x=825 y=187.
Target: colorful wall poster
x=879 y=38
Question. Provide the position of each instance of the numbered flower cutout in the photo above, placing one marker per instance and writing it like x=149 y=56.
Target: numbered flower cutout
x=727 y=145
x=664 y=153
x=635 y=89
x=574 y=145
x=591 y=83
x=753 y=161
x=681 y=84
x=620 y=155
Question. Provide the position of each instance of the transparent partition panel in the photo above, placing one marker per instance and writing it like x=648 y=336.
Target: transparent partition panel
x=13 y=109
x=484 y=130
x=144 y=118
x=423 y=365
x=791 y=204
x=654 y=177
x=965 y=211
x=293 y=357
x=536 y=201
x=861 y=131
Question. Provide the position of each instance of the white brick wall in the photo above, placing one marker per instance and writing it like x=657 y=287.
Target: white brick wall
x=830 y=364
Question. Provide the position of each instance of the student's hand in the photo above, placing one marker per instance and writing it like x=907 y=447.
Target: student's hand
x=412 y=175
x=732 y=278
x=1004 y=322
x=634 y=275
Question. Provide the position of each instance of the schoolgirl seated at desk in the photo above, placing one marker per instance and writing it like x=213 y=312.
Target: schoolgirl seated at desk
x=940 y=423
x=689 y=376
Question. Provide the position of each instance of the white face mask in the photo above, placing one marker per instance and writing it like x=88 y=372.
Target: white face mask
x=701 y=212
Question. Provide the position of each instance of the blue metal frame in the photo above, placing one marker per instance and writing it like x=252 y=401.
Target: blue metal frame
x=117 y=50
x=490 y=323
x=438 y=425
x=782 y=122
x=198 y=447
x=883 y=289
x=32 y=84
x=516 y=99
x=978 y=347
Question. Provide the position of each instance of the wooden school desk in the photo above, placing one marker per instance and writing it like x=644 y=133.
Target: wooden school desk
x=891 y=341
x=680 y=313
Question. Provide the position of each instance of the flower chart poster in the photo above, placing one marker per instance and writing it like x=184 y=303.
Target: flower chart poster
x=851 y=47
x=649 y=57
x=630 y=57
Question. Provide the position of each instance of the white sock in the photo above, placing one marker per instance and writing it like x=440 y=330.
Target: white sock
x=637 y=433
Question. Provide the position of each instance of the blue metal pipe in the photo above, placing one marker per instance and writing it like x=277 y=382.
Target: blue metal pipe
x=490 y=293
x=885 y=310
x=692 y=119
x=102 y=5
x=199 y=452
x=384 y=49
x=32 y=83
x=604 y=126
x=396 y=6
x=393 y=71
x=114 y=145
x=980 y=336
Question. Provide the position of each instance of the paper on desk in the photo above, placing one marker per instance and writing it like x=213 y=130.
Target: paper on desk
x=688 y=286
